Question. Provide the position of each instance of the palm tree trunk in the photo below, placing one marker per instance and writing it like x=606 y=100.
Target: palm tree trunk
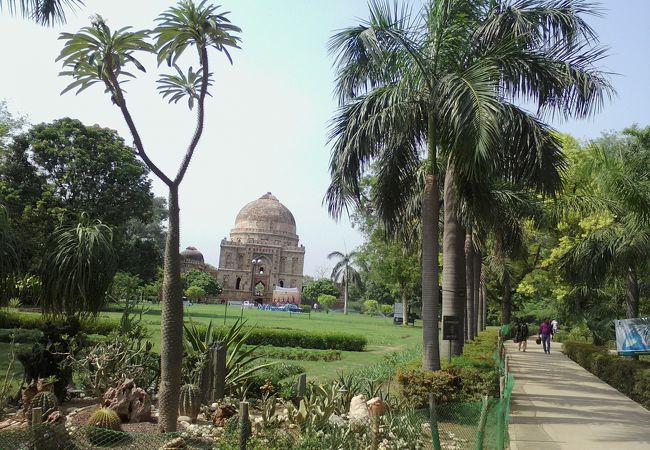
x=484 y=304
x=506 y=305
x=469 y=286
x=632 y=294
x=345 y=292
x=453 y=263
x=477 y=286
x=430 y=250
x=171 y=322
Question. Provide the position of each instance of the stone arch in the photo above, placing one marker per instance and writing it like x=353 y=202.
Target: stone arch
x=281 y=283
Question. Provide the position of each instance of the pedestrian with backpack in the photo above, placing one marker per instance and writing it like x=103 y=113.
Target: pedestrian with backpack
x=545 y=333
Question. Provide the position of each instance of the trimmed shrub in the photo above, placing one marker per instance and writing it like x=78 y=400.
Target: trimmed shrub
x=20 y=336
x=418 y=383
x=298 y=353
x=35 y=321
x=282 y=337
x=628 y=376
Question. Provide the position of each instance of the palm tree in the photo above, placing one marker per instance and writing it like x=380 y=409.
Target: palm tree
x=344 y=272
x=78 y=268
x=44 y=12
x=449 y=81
x=97 y=55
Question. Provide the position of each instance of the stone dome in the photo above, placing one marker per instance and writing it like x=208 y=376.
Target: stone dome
x=266 y=214
x=192 y=254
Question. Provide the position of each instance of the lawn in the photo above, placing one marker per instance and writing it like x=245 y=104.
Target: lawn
x=383 y=337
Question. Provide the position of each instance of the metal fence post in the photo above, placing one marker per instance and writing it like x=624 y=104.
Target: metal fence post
x=37 y=416
x=244 y=425
x=433 y=422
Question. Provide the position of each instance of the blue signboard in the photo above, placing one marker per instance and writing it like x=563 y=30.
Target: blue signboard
x=633 y=336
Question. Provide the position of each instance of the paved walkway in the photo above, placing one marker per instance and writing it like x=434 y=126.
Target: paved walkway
x=557 y=405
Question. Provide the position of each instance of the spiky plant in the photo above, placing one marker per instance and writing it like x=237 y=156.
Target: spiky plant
x=189 y=402
x=105 y=427
x=45 y=400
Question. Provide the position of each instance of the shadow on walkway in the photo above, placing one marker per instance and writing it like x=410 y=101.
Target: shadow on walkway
x=556 y=404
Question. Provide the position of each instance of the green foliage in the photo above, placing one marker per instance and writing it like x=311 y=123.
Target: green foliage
x=45 y=400
x=629 y=376
x=203 y=280
x=9 y=260
x=326 y=301
x=32 y=321
x=311 y=291
x=20 y=336
x=296 y=353
x=281 y=377
x=468 y=378
x=195 y=292
x=125 y=288
x=78 y=268
x=371 y=307
x=189 y=402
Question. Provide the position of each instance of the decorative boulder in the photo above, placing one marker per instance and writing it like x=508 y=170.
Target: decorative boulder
x=131 y=403
x=376 y=407
x=359 y=415
x=223 y=414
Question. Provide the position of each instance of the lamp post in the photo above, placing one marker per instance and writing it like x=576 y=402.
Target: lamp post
x=254 y=263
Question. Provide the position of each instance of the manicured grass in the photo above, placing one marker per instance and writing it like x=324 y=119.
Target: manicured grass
x=383 y=337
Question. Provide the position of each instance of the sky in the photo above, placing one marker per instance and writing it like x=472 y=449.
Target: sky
x=267 y=122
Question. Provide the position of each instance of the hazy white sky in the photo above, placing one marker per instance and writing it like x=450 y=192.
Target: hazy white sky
x=266 y=127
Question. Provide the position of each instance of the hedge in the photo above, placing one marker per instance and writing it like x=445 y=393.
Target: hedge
x=628 y=376
x=35 y=321
x=281 y=337
x=20 y=336
x=297 y=353
x=468 y=378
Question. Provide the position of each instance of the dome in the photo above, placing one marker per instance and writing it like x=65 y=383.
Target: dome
x=266 y=214
x=192 y=254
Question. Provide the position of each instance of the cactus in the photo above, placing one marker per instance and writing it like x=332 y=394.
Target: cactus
x=105 y=427
x=44 y=400
x=189 y=403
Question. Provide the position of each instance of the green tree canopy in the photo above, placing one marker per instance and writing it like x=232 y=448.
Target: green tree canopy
x=203 y=280
x=326 y=301
x=311 y=291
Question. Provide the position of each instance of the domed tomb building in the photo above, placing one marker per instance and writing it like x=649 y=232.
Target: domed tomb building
x=262 y=254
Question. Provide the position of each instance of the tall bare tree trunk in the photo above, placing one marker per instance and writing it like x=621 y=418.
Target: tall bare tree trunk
x=506 y=305
x=430 y=250
x=171 y=322
x=477 y=286
x=469 y=287
x=484 y=304
x=453 y=263
x=405 y=305
x=345 y=292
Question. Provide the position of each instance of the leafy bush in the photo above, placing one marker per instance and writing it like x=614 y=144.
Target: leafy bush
x=279 y=337
x=35 y=321
x=468 y=378
x=629 y=376
x=20 y=336
x=280 y=376
x=269 y=351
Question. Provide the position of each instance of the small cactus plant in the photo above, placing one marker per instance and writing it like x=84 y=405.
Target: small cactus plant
x=189 y=403
x=45 y=400
x=105 y=427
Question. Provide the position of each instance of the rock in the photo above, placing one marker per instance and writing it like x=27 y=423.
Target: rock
x=359 y=415
x=184 y=419
x=26 y=398
x=223 y=413
x=175 y=444
x=376 y=407
x=130 y=402
x=336 y=421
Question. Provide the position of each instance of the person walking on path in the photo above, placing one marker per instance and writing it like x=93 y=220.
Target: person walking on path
x=522 y=335
x=545 y=333
x=555 y=326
